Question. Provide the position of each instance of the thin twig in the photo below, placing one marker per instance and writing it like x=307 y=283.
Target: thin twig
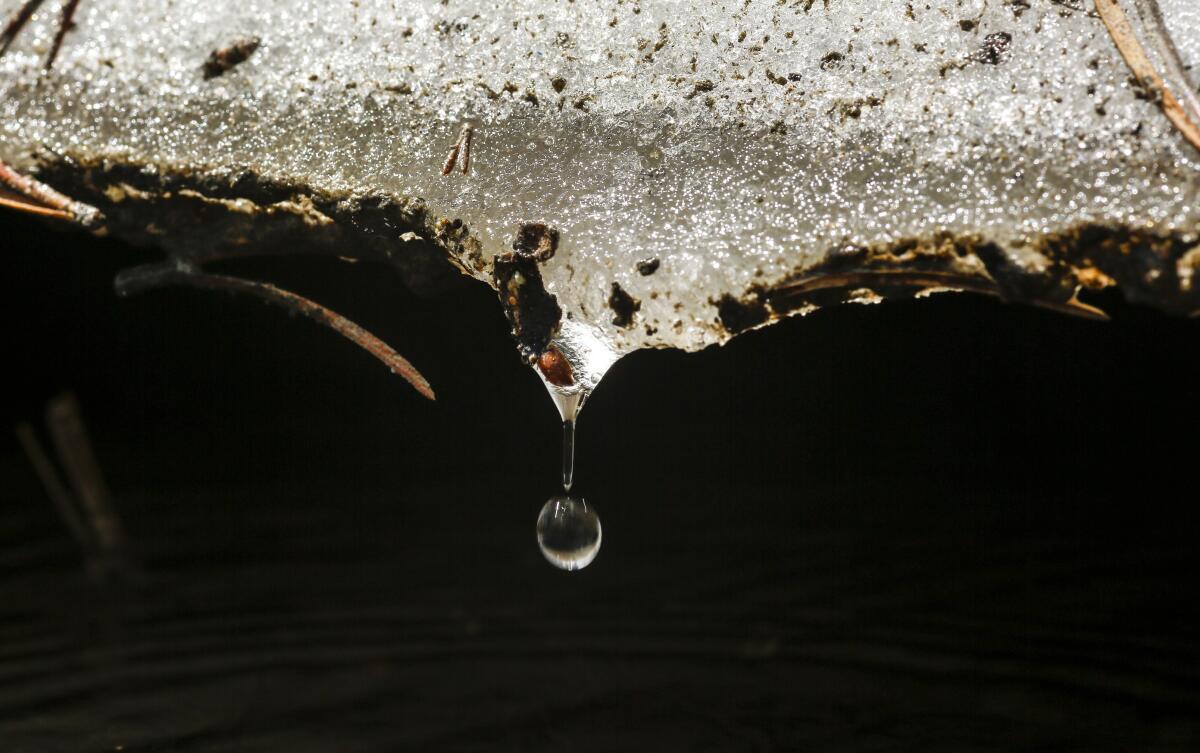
x=16 y=22
x=85 y=215
x=1135 y=57
x=64 y=25
x=150 y=276
x=1176 y=72
x=926 y=279
x=866 y=278
x=67 y=431
x=55 y=488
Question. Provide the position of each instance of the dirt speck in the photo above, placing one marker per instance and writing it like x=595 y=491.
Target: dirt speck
x=536 y=240
x=624 y=306
x=832 y=60
x=647 y=267
x=220 y=61
x=994 y=48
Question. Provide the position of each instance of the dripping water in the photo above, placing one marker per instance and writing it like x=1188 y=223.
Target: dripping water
x=568 y=454
x=568 y=405
x=569 y=529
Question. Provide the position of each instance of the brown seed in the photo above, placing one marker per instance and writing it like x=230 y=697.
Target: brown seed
x=555 y=368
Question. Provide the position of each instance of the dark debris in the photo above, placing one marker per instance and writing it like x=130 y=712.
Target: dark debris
x=537 y=241
x=647 y=267
x=223 y=60
x=624 y=306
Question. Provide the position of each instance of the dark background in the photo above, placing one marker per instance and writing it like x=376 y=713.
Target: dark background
x=954 y=389
x=946 y=524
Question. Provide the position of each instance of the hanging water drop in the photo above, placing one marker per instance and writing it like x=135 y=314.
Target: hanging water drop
x=571 y=366
x=568 y=533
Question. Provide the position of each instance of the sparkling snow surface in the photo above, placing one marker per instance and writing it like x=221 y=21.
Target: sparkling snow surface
x=733 y=141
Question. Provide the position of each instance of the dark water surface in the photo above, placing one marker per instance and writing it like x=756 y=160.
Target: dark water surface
x=947 y=526
x=351 y=620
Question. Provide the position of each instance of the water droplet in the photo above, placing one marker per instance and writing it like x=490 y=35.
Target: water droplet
x=568 y=533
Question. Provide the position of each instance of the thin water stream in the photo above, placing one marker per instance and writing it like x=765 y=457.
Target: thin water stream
x=568 y=454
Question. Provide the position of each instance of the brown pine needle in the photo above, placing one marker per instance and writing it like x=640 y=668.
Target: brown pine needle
x=468 y=134
x=20 y=17
x=461 y=145
x=31 y=208
x=64 y=25
x=16 y=22
x=56 y=490
x=150 y=276
x=36 y=197
x=1131 y=49
x=852 y=279
x=1174 y=69
x=70 y=438
x=448 y=165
